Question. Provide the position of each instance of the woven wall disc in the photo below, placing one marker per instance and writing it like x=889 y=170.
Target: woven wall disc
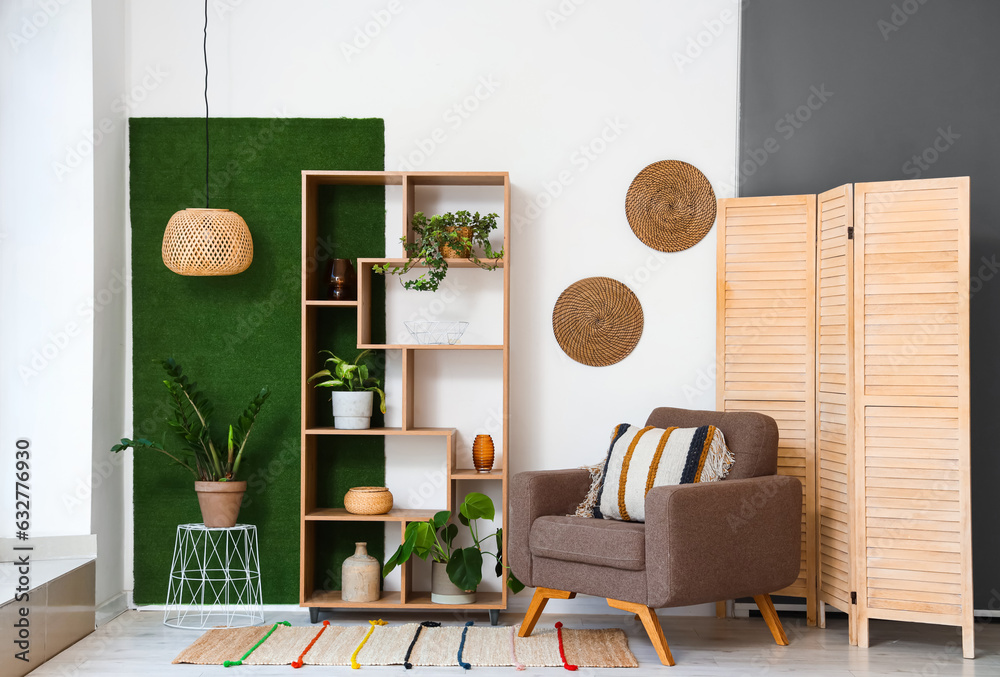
x=670 y=205
x=207 y=242
x=597 y=321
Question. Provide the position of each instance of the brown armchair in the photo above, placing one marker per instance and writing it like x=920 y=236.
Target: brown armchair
x=700 y=543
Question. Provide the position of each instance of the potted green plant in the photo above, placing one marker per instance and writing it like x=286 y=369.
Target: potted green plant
x=449 y=235
x=353 y=388
x=215 y=467
x=455 y=572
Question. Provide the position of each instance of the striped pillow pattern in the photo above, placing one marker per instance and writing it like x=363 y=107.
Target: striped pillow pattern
x=642 y=458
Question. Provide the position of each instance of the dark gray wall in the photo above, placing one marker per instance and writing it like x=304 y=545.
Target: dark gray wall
x=871 y=87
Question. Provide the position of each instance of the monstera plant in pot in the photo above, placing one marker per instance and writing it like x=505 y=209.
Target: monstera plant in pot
x=456 y=572
x=354 y=390
x=215 y=467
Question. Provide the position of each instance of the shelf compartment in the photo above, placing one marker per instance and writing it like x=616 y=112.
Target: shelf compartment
x=380 y=178
x=328 y=430
x=334 y=598
x=394 y=515
x=484 y=600
x=452 y=263
x=427 y=346
x=323 y=303
x=391 y=599
x=473 y=474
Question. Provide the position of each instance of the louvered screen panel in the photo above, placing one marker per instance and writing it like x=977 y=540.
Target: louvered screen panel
x=834 y=261
x=912 y=372
x=766 y=337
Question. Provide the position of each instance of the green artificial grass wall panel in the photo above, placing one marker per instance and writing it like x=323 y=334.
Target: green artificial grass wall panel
x=235 y=334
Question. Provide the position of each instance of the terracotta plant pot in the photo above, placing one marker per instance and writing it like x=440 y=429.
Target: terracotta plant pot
x=220 y=502
x=443 y=591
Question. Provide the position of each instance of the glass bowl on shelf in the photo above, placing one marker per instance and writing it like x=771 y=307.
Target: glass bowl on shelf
x=436 y=333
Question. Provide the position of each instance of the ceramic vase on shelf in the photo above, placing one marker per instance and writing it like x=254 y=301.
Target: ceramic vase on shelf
x=360 y=576
x=482 y=453
x=443 y=591
x=341 y=280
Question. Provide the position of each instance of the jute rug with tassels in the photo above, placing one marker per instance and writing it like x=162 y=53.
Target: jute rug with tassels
x=411 y=644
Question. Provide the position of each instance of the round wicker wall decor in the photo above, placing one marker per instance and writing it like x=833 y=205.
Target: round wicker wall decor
x=207 y=242
x=670 y=205
x=597 y=321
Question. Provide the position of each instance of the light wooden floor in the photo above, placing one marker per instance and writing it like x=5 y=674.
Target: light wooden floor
x=137 y=643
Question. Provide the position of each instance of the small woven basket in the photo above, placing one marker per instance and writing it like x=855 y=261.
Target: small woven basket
x=203 y=242
x=368 y=500
x=452 y=253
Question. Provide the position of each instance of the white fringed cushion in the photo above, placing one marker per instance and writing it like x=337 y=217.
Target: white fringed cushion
x=642 y=458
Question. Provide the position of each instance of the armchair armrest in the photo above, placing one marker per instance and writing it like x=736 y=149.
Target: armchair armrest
x=532 y=495
x=722 y=540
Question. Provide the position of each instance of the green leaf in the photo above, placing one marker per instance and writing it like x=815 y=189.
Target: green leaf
x=448 y=534
x=477 y=506
x=465 y=568
x=319 y=374
x=441 y=518
x=393 y=561
x=513 y=583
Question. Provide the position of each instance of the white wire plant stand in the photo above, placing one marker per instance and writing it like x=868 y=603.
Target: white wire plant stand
x=214 y=578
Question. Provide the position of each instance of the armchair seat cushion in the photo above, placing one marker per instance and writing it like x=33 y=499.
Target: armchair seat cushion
x=618 y=545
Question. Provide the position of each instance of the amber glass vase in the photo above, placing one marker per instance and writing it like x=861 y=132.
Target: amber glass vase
x=341 y=280
x=482 y=453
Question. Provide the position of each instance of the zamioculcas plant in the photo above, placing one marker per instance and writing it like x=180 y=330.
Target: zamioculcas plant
x=191 y=419
x=214 y=466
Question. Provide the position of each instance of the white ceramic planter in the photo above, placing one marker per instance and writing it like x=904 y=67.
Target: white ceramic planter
x=352 y=410
x=443 y=591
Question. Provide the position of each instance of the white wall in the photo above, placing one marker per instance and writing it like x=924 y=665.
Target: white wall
x=111 y=281
x=573 y=98
x=46 y=260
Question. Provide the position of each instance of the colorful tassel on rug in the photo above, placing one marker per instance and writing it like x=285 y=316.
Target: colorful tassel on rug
x=230 y=664
x=298 y=663
x=513 y=654
x=562 y=651
x=426 y=624
x=354 y=656
x=461 y=647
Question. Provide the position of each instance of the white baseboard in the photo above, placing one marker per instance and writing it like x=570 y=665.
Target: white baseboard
x=112 y=608
x=52 y=547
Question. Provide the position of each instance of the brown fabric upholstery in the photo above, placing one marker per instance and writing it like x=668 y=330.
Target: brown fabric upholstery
x=722 y=540
x=752 y=437
x=589 y=579
x=621 y=545
x=700 y=543
x=532 y=495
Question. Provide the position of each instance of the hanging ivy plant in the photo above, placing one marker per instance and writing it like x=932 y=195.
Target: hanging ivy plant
x=450 y=235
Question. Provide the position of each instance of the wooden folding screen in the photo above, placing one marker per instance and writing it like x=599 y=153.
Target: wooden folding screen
x=911 y=404
x=834 y=369
x=766 y=338
x=847 y=319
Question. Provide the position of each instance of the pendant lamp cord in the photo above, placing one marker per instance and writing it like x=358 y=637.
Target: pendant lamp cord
x=204 y=49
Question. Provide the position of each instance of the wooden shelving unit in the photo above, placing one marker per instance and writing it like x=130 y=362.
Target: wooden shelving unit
x=313 y=514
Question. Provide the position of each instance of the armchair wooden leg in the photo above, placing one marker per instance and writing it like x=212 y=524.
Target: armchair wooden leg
x=538 y=602
x=766 y=607
x=652 y=625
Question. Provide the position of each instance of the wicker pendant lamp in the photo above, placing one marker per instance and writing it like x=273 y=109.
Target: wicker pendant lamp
x=203 y=241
